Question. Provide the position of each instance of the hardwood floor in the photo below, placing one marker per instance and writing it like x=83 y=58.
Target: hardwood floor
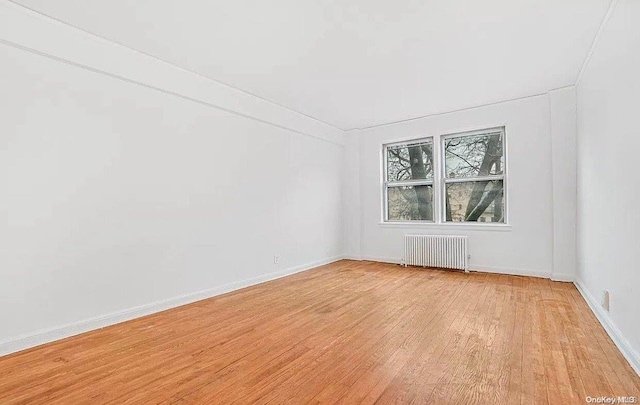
x=349 y=332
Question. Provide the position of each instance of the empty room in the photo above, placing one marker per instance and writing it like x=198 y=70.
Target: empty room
x=319 y=202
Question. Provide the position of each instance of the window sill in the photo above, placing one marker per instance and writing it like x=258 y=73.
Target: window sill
x=460 y=227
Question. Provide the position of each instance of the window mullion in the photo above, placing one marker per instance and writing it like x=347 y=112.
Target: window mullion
x=438 y=192
x=409 y=183
x=468 y=179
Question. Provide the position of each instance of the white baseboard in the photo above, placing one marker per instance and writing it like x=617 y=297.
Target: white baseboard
x=382 y=259
x=629 y=353
x=564 y=277
x=511 y=271
x=479 y=268
x=40 y=337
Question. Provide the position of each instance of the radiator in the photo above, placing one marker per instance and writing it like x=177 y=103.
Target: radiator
x=448 y=252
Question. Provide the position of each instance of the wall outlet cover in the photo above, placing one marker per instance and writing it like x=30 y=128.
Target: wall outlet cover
x=605 y=300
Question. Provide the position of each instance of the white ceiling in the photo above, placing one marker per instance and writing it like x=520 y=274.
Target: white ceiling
x=357 y=63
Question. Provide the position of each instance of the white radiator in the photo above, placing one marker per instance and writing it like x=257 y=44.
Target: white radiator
x=448 y=252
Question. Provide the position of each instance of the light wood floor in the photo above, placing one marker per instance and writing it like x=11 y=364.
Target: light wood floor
x=350 y=332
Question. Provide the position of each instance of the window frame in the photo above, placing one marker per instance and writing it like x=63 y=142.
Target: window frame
x=440 y=181
x=386 y=184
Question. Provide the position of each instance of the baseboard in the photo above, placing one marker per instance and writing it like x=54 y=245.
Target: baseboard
x=563 y=277
x=511 y=271
x=38 y=338
x=479 y=268
x=629 y=353
x=382 y=259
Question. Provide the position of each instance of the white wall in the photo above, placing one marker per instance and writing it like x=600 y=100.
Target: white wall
x=562 y=110
x=351 y=210
x=527 y=245
x=120 y=197
x=608 y=187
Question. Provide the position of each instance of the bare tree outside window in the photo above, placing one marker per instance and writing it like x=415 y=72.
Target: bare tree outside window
x=474 y=178
x=409 y=182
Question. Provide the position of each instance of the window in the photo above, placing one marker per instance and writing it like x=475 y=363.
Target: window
x=466 y=183
x=409 y=181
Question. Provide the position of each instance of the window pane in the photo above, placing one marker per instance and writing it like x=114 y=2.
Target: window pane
x=410 y=162
x=414 y=203
x=475 y=201
x=474 y=155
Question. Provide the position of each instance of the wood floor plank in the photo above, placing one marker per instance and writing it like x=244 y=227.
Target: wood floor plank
x=350 y=332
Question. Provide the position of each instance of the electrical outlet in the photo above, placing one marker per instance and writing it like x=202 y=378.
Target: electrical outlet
x=605 y=300
x=276 y=259
x=468 y=256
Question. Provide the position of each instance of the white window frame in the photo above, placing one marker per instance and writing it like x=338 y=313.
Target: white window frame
x=440 y=181
x=386 y=184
